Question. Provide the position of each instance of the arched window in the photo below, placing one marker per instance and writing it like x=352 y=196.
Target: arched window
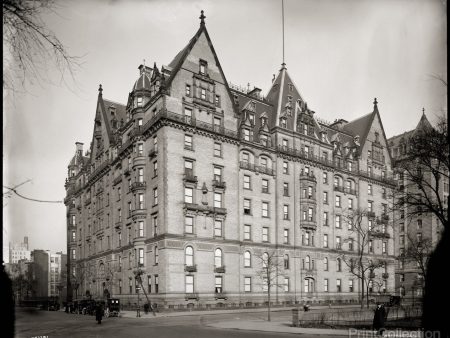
x=338 y=264
x=265 y=259
x=218 y=258
x=247 y=259
x=286 y=261
x=189 y=256
x=325 y=263
x=307 y=263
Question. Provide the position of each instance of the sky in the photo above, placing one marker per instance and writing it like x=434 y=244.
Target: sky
x=341 y=54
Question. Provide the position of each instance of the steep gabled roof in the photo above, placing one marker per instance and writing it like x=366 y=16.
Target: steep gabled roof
x=360 y=126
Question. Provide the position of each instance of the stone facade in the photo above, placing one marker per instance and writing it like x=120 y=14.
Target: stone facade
x=193 y=175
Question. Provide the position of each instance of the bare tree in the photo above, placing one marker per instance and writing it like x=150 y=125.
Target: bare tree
x=268 y=272
x=138 y=272
x=361 y=263
x=29 y=45
x=77 y=279
x=424 y=168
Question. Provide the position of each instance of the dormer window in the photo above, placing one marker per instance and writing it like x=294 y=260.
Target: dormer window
x=139 y=122
x=251 y=118
x=203 y=67
x=246 y=135
x=139 y=101
x=263 y=121
x=323 y=137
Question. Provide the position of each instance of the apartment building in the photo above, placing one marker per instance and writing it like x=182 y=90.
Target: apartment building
x=194 y=180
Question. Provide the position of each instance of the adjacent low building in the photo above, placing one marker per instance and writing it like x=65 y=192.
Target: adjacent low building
x=193 y=181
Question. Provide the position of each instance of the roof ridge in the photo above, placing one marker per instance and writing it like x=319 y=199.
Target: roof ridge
x=114 y=102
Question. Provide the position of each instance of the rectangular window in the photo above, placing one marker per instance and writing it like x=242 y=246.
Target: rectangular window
x=265 y=209
x=286 y=212
x=217 y=149
x=286 y=189
x=217 y=101
x=155 y=144
x=189 y=284
x=338 y=201
x=338 y=221
x=338 y=285
x=325 y=241
x=286 y=284
x=350 y=285
x=247 y=232
x=369 y=189
x=155 y=226
x=141 y=175
x=140 y=149
x=285 y=167
x=188 y=142
x=325 y=197
x=286 y=236
x=246 y=135
x=325 y=285
x=247 y=284
x=188 y=90
x=265 y=234
x=338 y=242
x=370 y=206
x=218 y=174
x=219 y=287
x=141 y=257
x=350 y=244
x=384 y=247
x=371 y=246
x=141 y=228
x=189 y=225
x=247 y=207
x=325 y=178
x=155 y=196
x=155 y=168
x=350 y=204
x=156 y=284
x=149 y=284
x=218 y=228
x=310 y=214
x=247 y=182
x=217 y=200
x=325 y=218
x=156 y=255
x=188 y=195
x=265 y=186
x=141 y=201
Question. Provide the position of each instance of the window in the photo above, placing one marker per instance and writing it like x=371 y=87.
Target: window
x=217 y=200
x=286 y=261
x=338 y=285
x=247 y=232
x=350 y=285
x=286 y=189
x=285 y=212
x=189 y=256
x=285 y=167
x=350 y=204
x=217 y=149
x=155 y=168
x=338 y=201
x=156 y=255
x=325 y=241
x=203 y=67
x=247 y=259
x=141 y=257
x=263 y=140
x=247 y=284
x=286 y=236
x=155 y=226
x=325 y=197
x=325 y=178
x=139 y=101
x=217 y=101
x=245 y=157
x=155 y=196
x=141 y=228
x=286 y=284
x=371 y=246
x=325 y=264
x=149 y=284
x=325 y=218
x=338 y=221
x=419 y=224
x=370 y=206
x=338 y=242
x=74 y=254
x=155 y=144
x=189 y=225
x=188 y=142
x=188 y=90
x=310 y=215
x=130 y=285
x=265 y=234
x=369 y=189
x=263 y=162
x=203 y=93
x=140 y=149
x=247 y=182
x=119 y=193
x=246 y=135
x=384 y=247
x=285 y=143
x=156 y=283
x=188 y=195
x=218 y=288
x=218 y=258
x=265 y=209
x=338 y=265
x=189 y=284
x=350 y=244
x=265 y=186
x=325 y=285
x=247 y=207
x=370 y=224
x=218 y=228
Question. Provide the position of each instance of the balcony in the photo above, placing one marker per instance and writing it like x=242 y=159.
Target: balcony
x=379 y=234
x=371 y=214
x=191 y=295
x=307 y=176
x=139 y=213
x=339 y=188
x=138 y=186
x=219 y=184
x=308 y=225
x=351 y=191
x=190 y=177
x=219 y=269
x=152 y=153
x=256 y=168
x=220 y=295
x=190 y=268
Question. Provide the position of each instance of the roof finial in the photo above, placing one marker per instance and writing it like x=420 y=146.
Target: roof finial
x=375 y=102
x=423 y=111
x=202 y=18
x=144 y=63
x=100 y=89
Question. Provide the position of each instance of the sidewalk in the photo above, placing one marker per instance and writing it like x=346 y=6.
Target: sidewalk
x=265 y=326
x=132 y=313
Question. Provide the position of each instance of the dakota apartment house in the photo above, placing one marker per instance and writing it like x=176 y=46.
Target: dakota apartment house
x=194 y=180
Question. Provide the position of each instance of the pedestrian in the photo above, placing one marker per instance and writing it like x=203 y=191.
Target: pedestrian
x=146 y=307
x=99 y=313
x=107 y=312
x=138 y=310
x=379 y=318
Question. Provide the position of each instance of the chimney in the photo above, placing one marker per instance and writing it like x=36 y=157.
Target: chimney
x=79 y=146
x=338 y=124
x=255 y=92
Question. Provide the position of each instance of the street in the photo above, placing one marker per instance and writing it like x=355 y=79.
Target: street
x=60 y=324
